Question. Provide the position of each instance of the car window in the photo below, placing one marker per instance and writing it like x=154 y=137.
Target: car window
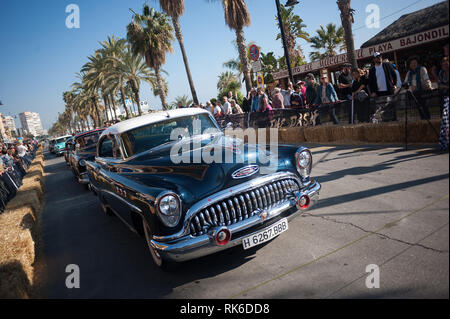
x=149 y=136
x=108 y=147
x=88 y=140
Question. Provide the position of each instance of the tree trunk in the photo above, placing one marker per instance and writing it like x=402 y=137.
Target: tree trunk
x=162 y=94
x=347 y=21
x=136 y=96
x=242 y=48
x=113 y=105
x=122 y=96
x=176 y=25
x=99 y=119
x=105 y=101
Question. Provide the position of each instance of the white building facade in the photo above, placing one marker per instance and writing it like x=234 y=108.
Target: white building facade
x=31 y=123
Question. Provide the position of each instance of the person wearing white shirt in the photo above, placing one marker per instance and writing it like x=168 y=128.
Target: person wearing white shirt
x=227 y=110
x=21 y=150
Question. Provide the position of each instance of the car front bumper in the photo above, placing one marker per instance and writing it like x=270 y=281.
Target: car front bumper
x=191 y=247
x=83 y=178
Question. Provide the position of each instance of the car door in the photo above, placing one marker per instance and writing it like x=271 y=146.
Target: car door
x=109 y=180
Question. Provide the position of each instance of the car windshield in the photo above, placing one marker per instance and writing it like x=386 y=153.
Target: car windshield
x=88 y=140
x=61 y=140
x=150 y=136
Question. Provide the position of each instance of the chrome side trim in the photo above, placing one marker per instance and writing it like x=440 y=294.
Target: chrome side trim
x=231 y=191
x=134 y=208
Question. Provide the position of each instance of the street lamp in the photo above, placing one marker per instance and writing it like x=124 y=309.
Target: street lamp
x=289 y=3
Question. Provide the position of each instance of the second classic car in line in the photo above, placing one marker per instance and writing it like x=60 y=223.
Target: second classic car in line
x=191 y=209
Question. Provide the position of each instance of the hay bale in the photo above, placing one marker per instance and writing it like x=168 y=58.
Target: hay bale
x=33 y=184
x=292 y=135
x=317 y=134
x=17 y=253
x=24 y=198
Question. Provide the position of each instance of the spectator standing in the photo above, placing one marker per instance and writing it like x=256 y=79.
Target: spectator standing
x=218 y=110
x=302 y=88
x=297 y=98
x=6 y=160
x=443 y=89
x=287 y=95
x=419 y=83
x=399 y=78
x=360 y=95
x=311 y=89
x=326 y=95
x=236 y=108
x=382 y=77
x=443 y=77
x=345 y=82
x=254 y=98
x=227 y=110
x=277 y=99
x=265 y=105
x=209 y=107
x=261 y=96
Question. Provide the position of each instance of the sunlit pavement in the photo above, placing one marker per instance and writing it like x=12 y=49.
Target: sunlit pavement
x=379 y=205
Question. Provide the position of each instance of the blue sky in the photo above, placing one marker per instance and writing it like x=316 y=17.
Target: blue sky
x=39 y=55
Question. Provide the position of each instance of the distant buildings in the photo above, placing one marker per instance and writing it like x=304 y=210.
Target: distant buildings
x=31 y=123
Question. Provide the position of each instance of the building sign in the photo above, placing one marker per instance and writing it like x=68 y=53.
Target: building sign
x=386 y=47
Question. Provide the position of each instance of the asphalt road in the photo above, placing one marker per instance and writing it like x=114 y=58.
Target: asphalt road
x=379 y=205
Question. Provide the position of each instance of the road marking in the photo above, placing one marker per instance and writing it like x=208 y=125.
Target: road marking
x=336 y=250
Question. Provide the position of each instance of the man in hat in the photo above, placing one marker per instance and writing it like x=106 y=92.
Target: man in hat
x=345 y=82
x=382 y=77
x=383 y=82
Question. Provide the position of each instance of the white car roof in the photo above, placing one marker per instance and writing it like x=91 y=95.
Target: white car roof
x=57 y=138
x=151 y=118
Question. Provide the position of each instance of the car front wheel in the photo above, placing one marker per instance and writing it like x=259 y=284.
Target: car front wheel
x=157 y=259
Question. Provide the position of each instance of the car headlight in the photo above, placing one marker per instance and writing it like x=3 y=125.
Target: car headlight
x=168 y=206
x=82 y=162
x=303 y=159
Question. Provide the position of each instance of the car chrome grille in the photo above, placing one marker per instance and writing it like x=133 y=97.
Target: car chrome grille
x=240 y=206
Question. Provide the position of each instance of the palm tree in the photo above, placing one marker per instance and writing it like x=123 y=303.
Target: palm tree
x=113 y=49
x=329 y=39
x=185 y=101
x=237 y=17
x=88 y=97
x=293 y=29
x=347 y=21
x=175 y=9
x=150 y=35
x=269 y=65
x=131 y=70
x=95 y=73
x=226 y=79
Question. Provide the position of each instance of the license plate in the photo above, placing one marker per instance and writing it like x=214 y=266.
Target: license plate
x=265 y=234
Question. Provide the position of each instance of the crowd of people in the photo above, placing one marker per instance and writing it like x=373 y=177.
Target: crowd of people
x=15 y=159
x=362 y=86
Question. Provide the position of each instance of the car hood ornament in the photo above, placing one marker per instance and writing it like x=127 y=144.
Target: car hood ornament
x=245 y=171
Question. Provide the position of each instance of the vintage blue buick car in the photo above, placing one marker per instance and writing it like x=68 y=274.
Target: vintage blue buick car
x=195 y=207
